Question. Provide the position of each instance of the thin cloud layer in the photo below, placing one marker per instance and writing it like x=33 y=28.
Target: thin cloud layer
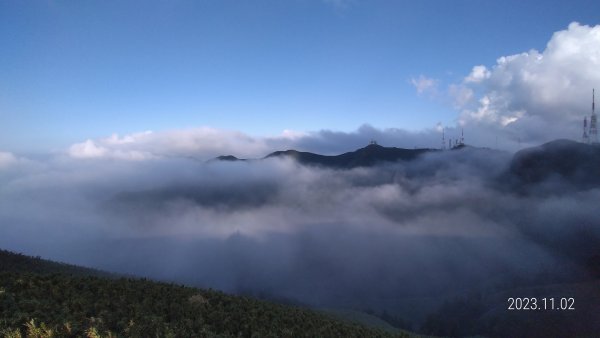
x=207 y=143
x=201 y=143
x=7 y=159
x=424 y=84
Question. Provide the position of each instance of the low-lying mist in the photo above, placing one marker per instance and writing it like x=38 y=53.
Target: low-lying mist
x=397 y=236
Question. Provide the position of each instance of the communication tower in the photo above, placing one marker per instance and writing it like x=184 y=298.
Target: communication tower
x=443 y=139
x=585 y=138
x=593 y=131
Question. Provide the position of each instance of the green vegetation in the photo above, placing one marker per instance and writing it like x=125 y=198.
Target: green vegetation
x=59 y=300
x=14 y=262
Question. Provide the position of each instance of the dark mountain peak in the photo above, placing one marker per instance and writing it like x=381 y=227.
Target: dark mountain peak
x=560 y=147
x=372 y=149
x=573 y=162
x=228 y=158
x=289 y=152
x=363 y=157
x=373 y=146
x=562 y=143
x=555 y=146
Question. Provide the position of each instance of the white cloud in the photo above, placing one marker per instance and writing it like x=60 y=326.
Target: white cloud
x=461 y=94
x=202 y=143
x=424 y=84
x=131 y=138
x=293 y=134
x=532 y=97
x=478 y=74
x=542 y=95
x=439 y=127
x=7 y=159
x=205 y=143
x=87 y=149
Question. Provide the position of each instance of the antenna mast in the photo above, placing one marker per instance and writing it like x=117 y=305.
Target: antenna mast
x=586 y=138
x=443 y=139
x=593 y=131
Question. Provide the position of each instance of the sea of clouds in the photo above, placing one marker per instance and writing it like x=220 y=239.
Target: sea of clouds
x=150 y=204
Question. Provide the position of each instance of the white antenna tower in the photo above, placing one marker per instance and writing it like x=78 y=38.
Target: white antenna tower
x=593 y=131
x=443 y=139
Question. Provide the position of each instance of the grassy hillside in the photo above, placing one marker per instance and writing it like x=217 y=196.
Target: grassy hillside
x=39 y=298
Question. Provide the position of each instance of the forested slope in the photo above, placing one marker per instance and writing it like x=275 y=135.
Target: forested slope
x=58 y=300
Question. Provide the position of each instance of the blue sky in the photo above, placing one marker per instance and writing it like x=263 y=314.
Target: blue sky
x=72 y=70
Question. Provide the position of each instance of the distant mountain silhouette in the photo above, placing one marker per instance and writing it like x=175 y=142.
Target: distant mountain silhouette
x=228 y=158
x=363 y=157
x=564 y=161
x=561 y=160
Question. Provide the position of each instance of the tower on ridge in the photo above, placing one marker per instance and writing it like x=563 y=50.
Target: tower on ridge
x=585 y=137
x=443 y=139
x=593 y=129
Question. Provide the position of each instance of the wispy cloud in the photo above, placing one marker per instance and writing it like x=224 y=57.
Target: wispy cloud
x=7 y=159
x=204 y=143
x=424 y=84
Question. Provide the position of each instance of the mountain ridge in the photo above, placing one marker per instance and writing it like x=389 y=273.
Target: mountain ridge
x=559 y=160
x=363 y=157
x=569 y=159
